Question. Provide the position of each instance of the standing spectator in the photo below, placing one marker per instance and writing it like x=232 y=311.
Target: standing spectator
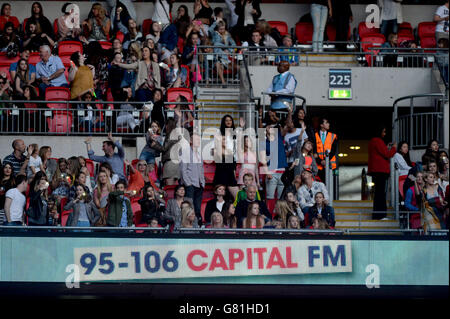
x=401 y=158
x=283 y=83
x=215 y=204
x=304 y=159
x=100 y=196
x=69 y=25
x=248 y=12
x=168 y=42
x=229 y=215
x=125 y=117
x=34 y=37
x=320 y=10
x=441 y=17
x=413 y=200
x=140 y=176
x=293 y=142
x=242 y=206
x=203 y=11
x=307 y=192
x=49 y=164
x=288 y=52
x=155 y=32
x=157 y=113
x=85 y=213
x=35 y=164
x=24 y=77
x=150 y=206
x=189 y=56
x=116 y=74
x=39 y=213
x=161 y=15
x=192 y=174
x=175 y=205
x=37 y=18
x=149 y=153
x=50 y=70
x=92 y=120
x=121 y=12
x=106 y=167
x=342 y=17
x=80 y=180
x=5 y=17
x=81 y=76
x=7 y=181
x=379 y=169
x=18 y=161
x=254 y=219
x=114 y=159
x=248 y=163
x=325 y=142
x=322 y=210
x=148 y=76
x=98 y=58
x=15 y=202
x=431 y=153
x=119 y=207
x=98 y=25
x=61 y=181
x=391 y=16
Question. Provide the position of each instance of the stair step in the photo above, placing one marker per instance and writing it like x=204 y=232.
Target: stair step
x=355 y=216
x=351 y=203
x=368 y=223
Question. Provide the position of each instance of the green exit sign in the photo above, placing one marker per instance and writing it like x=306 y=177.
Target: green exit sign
x=340 y=94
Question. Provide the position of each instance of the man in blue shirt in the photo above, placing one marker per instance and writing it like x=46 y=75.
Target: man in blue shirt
x=116 y=160
x=50 y=70
x=283 y=83
x=291 y=58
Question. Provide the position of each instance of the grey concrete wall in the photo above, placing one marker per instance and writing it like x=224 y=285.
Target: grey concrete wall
x=370 y=86
x=290 y=13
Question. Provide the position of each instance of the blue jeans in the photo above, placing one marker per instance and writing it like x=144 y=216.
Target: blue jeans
x=196 y=194
x=12 y=223
x=148 y=157
x=83 y=223
x=319 y=15
x=388 y=27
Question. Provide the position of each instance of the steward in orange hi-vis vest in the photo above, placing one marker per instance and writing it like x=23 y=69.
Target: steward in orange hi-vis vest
x=322 y=148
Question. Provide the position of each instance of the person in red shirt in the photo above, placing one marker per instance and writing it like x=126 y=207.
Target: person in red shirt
x=6 y=16
x=379 y=169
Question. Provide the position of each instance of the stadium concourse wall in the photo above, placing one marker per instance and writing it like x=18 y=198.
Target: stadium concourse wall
x=288 y=12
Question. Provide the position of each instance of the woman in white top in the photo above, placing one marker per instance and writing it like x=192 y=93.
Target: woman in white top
x=401 y=158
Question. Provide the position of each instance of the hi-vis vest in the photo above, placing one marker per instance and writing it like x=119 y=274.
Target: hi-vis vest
x=321 y=149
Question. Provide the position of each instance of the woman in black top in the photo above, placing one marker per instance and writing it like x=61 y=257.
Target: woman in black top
x=243 y=9
x=39 y=215
x=150 y=206
x=6 y=183
x=203 y=11
x=37 y=17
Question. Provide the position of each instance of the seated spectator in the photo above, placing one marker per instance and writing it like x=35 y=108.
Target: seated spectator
x=155 y=33
x=175 y=75
x=190 y=57
x=431 y=153
x=148 y=76
x=293 y=222
x=441 y=17
x=24 y=77
x=242 y=194
x=222 y=38
x=50 y=71
x=242 y=206
x=100 y=196
x=229 y=216
x=80 y=180
x=288 y=52
x=151 y=206
x=35 y=164
x=15 y=202
x=119 y=207
x=435 y=217
x=308 y=190
x=106 y=167
x=157 y=112
x=7 y=181
x=322 y=210
x=128 y=76
x=188 y=219
x=282 y=212
x=283 y=83
x=140 y=176
x=120 y=14
x=9 y=40
x=84 y=212
x=319 y=223
x=5 y=17
x=299 y=119
x=182 y=21
x=183 y=116
x=265 y=30
x=215 y=204
x=38 y=214
x=84 y=169
x=390 y=55
x=413 y=200
x=25 y=55
x=17 y=158
x=175 y=205
x=401 y=158
x=114 y=159
x=254 y=219
x=171 y=171
x=69 y=25
x=168 y=43
x=62 y=179
x=116 y=47
x=291 y=198
x=248 y=163
x=133 y=35
x=216 y=220
x=34 y=37
x=49 y=164
x=304 y=159
x=411 y=59
x=92 y=119
x=149 y=153
x=81 y=76
x=161 y=15
x=257 y=48
x=38 y=19
x=98 y=25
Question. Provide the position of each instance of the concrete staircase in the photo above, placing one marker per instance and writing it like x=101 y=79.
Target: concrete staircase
x=328 y=59
x=211 y=114
x=357 y=215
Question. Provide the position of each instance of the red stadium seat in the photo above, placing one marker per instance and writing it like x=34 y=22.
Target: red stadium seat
x=34 y=58
x=426 y=29
x=137 y=218
x=173 y=93
x=208 y=192
x=5 y=60
x=134 y=163
x=57 y=94
x=90 y=166
x=106 y=45
x=331 y=32
x=372 y=40
x=170 y=191
x=428 y=42
x=55 y=26
x=203 y=207
x=64 y=219
x=146 y=26
x=69 y=47
x=304 y=32
x=405 y=28
x=281 y=26
x=60 y=123
x=363 y=30
x=209 y=171
x=180 y=45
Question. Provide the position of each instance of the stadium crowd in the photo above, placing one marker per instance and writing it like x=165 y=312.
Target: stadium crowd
x=115 y=58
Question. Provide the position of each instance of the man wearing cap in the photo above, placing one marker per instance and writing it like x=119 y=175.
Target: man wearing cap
x=283 y=83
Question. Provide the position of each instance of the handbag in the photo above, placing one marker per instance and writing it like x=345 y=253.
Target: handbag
x=102 y=221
